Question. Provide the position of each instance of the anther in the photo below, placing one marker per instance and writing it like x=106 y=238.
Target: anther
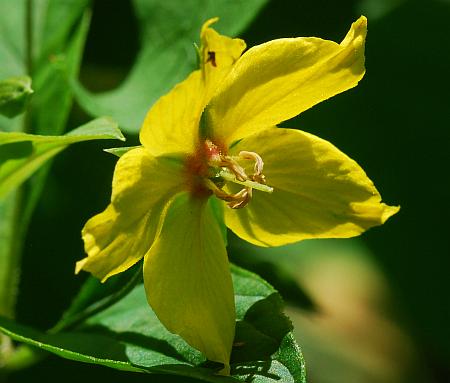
x=243 y=198
x=259 y=164
x=235 y=168
x=216 y=159
x=226 y=168
x=260 y=178
x=234 y=201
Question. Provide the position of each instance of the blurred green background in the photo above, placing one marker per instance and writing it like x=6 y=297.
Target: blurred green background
x=381 y=302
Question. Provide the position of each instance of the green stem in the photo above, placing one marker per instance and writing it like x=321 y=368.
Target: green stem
x=28 y=57
x=11 y=246
x=10 y=249
x=12 y=230
x=29 y=36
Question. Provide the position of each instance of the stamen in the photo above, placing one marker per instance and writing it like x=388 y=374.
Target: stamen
x=232 y=165
x=216 y=159
x=234 y=201
x=226 y=168
x=259 y=164
x=259 y=178
x=227 y=176
x=244 y=196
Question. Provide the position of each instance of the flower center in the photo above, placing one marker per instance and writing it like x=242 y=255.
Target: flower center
x=211 y=168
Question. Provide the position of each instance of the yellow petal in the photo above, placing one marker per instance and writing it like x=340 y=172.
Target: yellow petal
x=171 y=125
x=188 y=282
x=218 y=55
x=319 y=192
x=278 y=80
x=120 y=236
x=113 y=243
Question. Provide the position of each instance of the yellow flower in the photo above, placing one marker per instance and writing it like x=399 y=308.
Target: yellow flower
x=214 y=137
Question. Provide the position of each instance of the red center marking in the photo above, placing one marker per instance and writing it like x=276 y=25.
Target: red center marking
x=197 y=168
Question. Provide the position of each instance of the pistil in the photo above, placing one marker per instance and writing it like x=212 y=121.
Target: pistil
x=230 y=177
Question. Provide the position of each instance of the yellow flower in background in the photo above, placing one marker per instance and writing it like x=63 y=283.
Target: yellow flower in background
x=214 y=136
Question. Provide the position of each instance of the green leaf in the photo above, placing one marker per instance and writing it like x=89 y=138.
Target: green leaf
x=22 y=154
x=8 y=219
x=14 y=95
x=52 y=79
x=58 y=32
x=273 y=265
x=168 y=32
x=128 y=336
x=95 y=296
x=119 y=152
x=53 y=99
x=52 y=56
x=12 y=38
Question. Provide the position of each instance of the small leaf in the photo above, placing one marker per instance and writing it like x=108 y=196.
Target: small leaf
x=14 y=95
x=128 y=336
x=119 y=152
x=104 y=127
x=22 y=154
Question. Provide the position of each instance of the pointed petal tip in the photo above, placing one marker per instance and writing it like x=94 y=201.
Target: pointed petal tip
x=361 y=22
x=388 y=212
x=357 y=33
x=208 y=23
x=79 y=266
x=360 y=27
